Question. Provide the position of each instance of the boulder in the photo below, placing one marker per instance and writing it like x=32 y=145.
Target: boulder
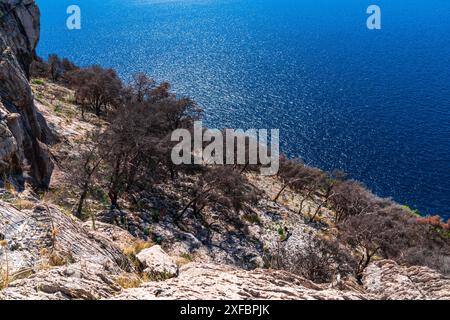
x=157 y=263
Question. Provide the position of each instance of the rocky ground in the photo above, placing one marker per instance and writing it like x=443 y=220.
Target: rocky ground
x=50 y=255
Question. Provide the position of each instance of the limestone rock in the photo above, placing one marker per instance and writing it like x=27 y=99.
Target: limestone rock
x=119 y=236
x=390 y=281
x=79 y=281
x=157 y=263
x=45 y=237
x=8 y=147
x=220 y=282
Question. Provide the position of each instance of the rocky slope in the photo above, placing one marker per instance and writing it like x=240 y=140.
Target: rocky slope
x=388 y=280
x=48 y=255
x=221 y=282
x=52 y=256
x=384 y=280
x=45 y=253
x=23 y=132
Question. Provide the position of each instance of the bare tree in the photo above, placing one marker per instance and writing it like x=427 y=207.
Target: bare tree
x=39 y=68
x=56 y=67
x=387 y=231
x=96 y=88
x=320 y=260
x=351 y=198
x=328 y=184
x=83 y=167
x=142 y=87
x=136 y=144
x=290 y=173
x=364 y=233
x=68 y=65
x=301 y=178
x=219 y=186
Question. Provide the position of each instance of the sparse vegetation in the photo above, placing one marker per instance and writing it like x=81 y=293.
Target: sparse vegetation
x=252 y=218
x=187 y=256
x=57 y=259
x=160 y=276
x=4 y=271
x=132 y=251
x=38 y=82
x=130 y=154
x=128 y=281
x=320 y=261
x=22 y=204
x=434 y=221
x=281 y=233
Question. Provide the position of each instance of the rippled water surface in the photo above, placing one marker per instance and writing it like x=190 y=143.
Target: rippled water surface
x=374 y=103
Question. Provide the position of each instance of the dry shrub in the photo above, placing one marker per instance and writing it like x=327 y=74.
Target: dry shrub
x=137 y=246
x=133 y=250
x=128 y=281
x=434 y=221
x=57 y=259
x=184 y=259
x=23 y=204
x=4 y=272
x=321 y=261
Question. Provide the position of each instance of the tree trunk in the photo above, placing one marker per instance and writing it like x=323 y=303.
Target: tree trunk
x=81 y=203
x=280 y=193
x=113 y=197
x=245 y=168
x=316 y=213
x=172 y=173
x=97 y=110
x=301 y=206
x=178 y=218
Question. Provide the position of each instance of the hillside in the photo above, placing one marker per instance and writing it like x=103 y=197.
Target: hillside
x=51 y=255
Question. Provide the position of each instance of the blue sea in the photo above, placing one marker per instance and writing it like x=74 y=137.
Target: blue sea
x=375 y=103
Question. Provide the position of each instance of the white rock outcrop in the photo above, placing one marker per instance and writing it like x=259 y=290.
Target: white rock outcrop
x=157 y=263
